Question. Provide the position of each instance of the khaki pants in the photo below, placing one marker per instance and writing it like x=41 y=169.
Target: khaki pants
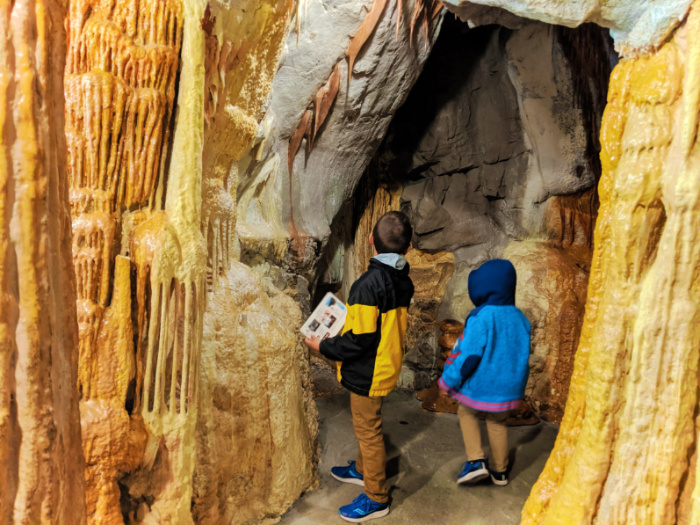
x=498 y=436
x=371 y=457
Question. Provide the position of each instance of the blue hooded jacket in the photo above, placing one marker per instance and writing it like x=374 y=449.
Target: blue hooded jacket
x=488 y=368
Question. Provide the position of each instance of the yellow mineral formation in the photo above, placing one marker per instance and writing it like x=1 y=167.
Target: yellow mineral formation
x=120 y=81
x=380 y=199
x=429 y=273
x=254 y=373
x=627 y=447
x=113 y=441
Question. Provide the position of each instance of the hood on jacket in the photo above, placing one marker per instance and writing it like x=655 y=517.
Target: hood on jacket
x=392 y=259
x=492 y=284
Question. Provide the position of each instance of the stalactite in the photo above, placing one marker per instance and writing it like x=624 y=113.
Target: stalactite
x=357 y=41
x=324 y=98
x=427 y=10
x=119 y=88
x=313 y=118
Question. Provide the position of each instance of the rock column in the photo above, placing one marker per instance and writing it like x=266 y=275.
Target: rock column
x=627 y=448
x=41 y=463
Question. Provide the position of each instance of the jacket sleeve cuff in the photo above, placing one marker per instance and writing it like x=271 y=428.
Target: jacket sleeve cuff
x=444 y=386
x=327 y=350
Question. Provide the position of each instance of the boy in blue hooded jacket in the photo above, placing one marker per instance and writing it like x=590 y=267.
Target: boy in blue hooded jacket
x=488 y=368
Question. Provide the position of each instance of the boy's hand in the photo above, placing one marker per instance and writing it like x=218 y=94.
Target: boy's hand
x=314 y=344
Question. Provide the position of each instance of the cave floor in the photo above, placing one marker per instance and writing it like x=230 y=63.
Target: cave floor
x=425 y=452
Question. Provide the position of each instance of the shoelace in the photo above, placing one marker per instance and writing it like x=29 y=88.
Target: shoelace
x=365 y=502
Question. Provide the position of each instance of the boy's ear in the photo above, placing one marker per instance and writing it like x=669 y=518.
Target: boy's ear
x=371 y=239
x=409 y=248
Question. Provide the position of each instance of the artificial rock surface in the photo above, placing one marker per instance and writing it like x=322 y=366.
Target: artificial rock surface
x=256 y=436
x=637 y=27
x=627 y=448
x=492 y=158
x=325 y=179
x=168 y=159
x=153 y=181
x=41 y=463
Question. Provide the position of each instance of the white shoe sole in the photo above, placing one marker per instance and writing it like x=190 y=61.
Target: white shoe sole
x=473 y=477
x=499 y=482
x=378 y=514
x=352 y=481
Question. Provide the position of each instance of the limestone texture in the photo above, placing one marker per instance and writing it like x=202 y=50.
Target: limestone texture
x=637 y=27
x=429 y=273
x=179 y=176
x=256 y=450
x=627 y=447
x=120 y=81
x=41 y=464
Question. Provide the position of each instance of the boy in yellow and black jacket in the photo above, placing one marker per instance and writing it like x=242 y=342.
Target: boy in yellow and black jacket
x=369 y=352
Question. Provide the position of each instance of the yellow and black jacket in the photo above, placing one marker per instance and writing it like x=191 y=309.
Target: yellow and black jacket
x=370 y=347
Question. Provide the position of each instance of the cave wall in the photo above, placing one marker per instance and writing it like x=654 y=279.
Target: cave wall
x=491 y=156
x=325 y=173
x=163 y=99
x=41 y=463
x=128 y=315
x=166 y=104
x=636 y=27
x=627 y=447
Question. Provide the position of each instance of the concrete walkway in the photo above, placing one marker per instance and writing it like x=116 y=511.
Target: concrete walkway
x=425 y=454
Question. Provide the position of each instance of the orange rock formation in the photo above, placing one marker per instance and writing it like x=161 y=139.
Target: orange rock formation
x=41 y=464
x=120 y=81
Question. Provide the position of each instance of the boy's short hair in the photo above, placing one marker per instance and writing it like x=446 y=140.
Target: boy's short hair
x=392 y=233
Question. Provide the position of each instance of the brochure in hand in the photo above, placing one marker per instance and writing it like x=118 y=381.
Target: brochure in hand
x=327 y=320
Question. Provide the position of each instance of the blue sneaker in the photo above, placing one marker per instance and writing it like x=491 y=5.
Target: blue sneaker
x=473 y=472
x=348 y=474
x=362 y=509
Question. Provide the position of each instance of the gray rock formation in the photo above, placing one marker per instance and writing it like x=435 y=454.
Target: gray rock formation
x=482 y=146
x=325 y=179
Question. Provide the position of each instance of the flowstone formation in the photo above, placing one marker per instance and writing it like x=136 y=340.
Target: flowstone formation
x=628 y=445
x=120 y=81
x=41 y=464
x=257 y=426
x=163 y=99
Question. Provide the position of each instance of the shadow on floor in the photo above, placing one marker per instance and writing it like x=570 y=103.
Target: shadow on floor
x=424 y=455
